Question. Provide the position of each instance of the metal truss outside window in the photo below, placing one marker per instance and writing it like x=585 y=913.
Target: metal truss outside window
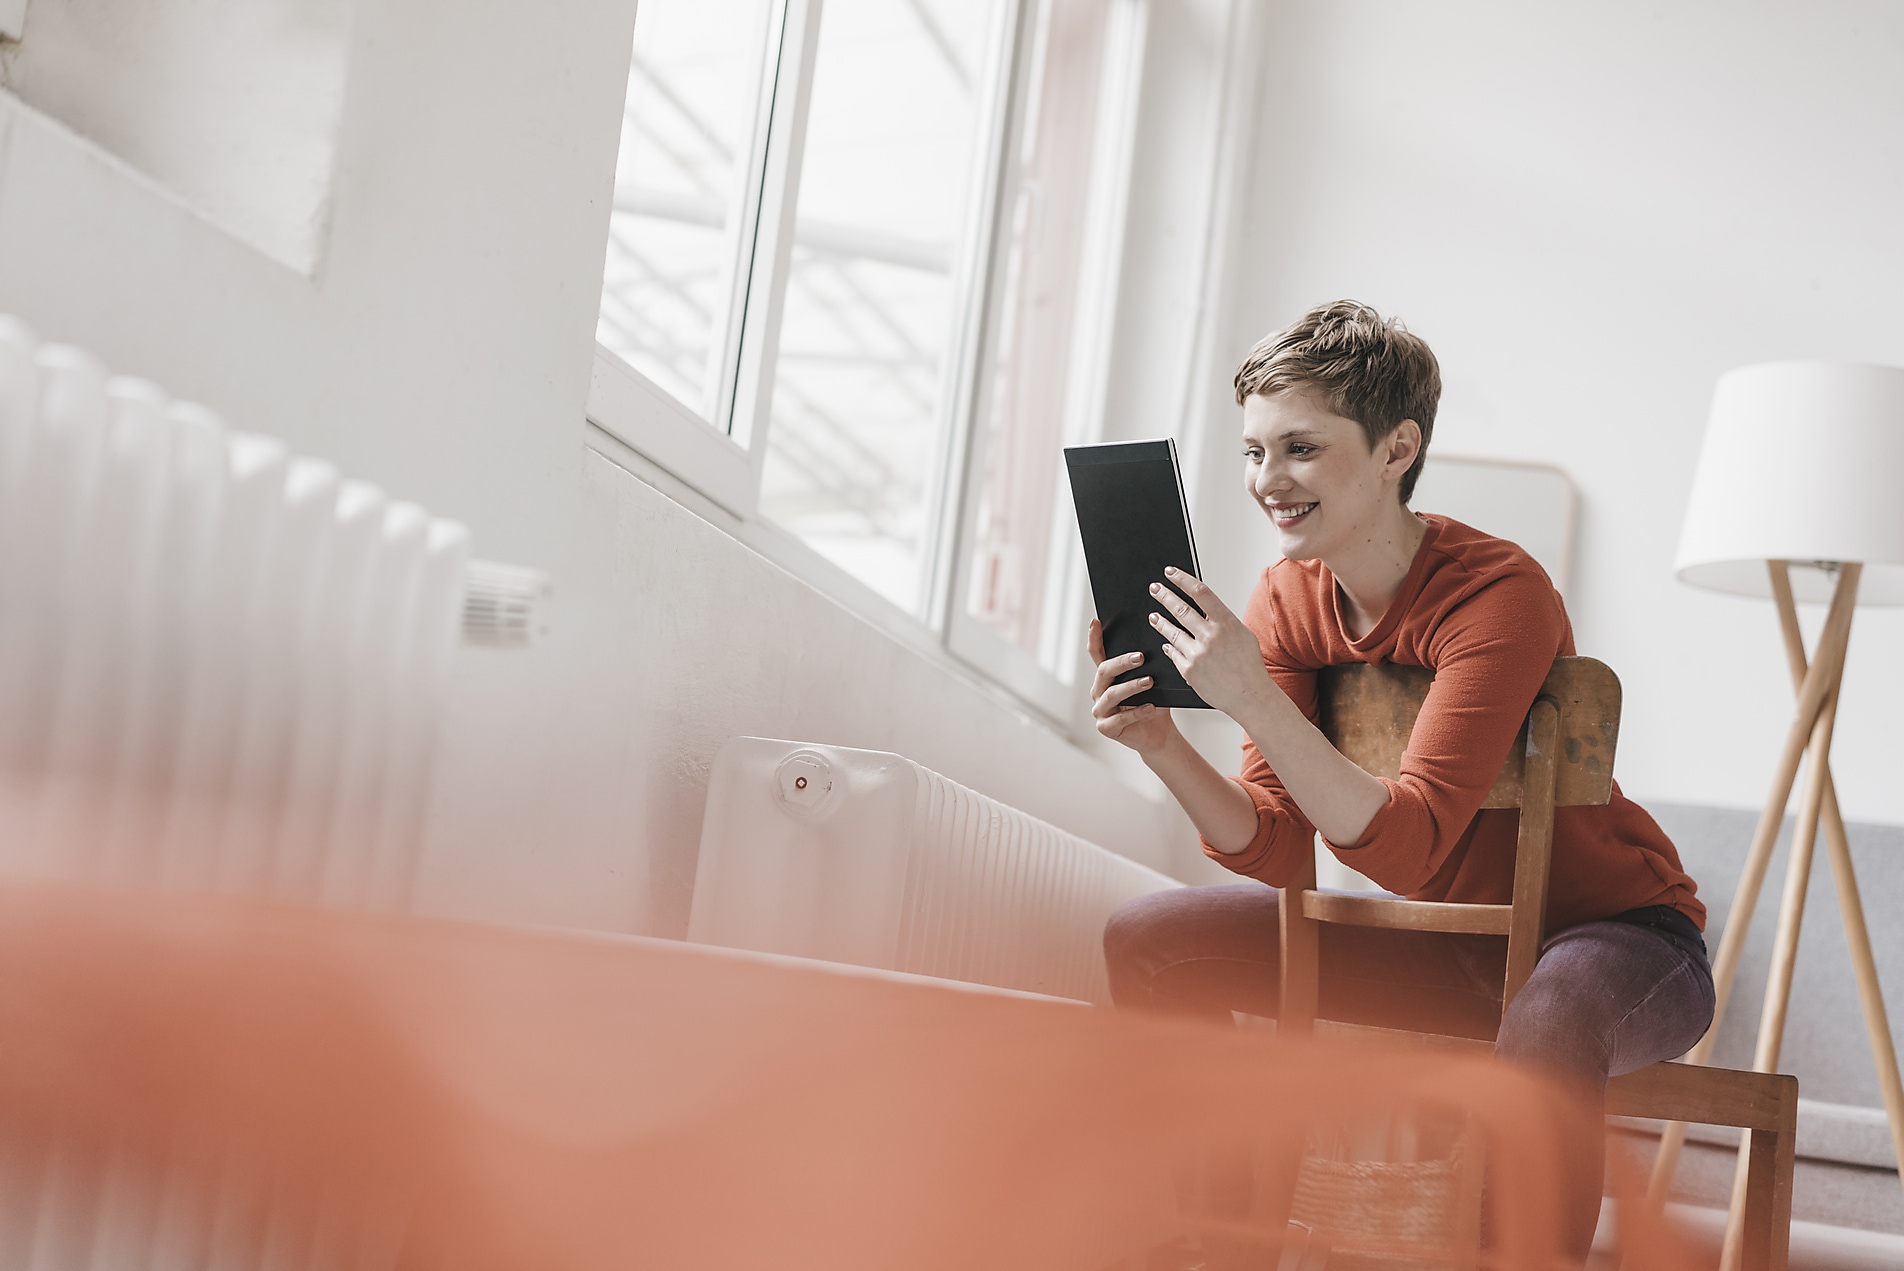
x=861 y=264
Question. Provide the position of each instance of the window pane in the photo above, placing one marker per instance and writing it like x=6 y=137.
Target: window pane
x=685 y=182
x=884 y=224
x=1024 y=548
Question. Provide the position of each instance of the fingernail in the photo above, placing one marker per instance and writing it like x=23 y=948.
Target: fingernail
x=1170 y=571
x=1155 y=588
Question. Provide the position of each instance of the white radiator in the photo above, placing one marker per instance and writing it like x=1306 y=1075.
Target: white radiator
x=221 y=665
x=865 y=857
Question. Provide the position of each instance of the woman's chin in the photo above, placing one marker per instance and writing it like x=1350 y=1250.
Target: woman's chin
x=1295 y=545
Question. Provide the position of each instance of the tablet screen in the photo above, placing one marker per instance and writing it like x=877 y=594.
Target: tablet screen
x=1133 y=520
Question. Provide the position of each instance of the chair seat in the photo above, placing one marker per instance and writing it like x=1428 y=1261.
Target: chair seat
x=1711 y=1096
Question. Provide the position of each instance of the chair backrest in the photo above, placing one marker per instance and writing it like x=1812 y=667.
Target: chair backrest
x=1368 y=712
x=1562 y=757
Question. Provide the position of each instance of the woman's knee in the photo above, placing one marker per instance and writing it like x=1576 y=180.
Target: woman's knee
x=1554 y=1024
x=1125 y=928
x=1172 y=933
x=1142 y=929
x=1606 y=998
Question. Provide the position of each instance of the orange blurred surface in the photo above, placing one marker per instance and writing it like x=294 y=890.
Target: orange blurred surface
x=402 y=1092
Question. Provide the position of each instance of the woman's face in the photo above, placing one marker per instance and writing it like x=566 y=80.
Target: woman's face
x=1312 y=471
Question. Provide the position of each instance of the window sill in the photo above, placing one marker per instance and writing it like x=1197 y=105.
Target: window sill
x=788 y=553
x=626 y=406
x=671 y=448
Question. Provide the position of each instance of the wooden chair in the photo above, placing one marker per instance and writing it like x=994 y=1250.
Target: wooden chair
x=1563 y=758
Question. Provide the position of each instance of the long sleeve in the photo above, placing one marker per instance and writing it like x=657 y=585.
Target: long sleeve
x=1285 y=838
x=1481 y=614
x=1490 y=651
x=1490 y=655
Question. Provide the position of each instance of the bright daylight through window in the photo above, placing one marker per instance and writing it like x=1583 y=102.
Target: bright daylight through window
x=864 y=243
x=675 y=255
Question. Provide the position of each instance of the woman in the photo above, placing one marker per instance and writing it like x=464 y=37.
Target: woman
x=1338 y=410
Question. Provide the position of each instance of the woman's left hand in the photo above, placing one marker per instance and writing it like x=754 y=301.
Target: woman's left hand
x=1218 y=655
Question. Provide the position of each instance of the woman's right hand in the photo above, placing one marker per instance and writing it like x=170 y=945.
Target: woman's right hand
x=1145 y=729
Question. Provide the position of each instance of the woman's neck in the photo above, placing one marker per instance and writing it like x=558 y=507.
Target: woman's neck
x=1371 y=570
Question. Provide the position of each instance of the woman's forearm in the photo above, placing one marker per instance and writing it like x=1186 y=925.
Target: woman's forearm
x=1338 y=796
x=1222 y=658
x=1220 y=809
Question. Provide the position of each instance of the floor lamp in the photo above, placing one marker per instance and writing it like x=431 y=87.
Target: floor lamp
x=1796 y=497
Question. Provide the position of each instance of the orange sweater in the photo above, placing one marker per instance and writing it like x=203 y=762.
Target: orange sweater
x=1482 y=615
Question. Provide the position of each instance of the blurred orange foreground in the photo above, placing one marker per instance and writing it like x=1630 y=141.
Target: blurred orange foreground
x=229 y=1083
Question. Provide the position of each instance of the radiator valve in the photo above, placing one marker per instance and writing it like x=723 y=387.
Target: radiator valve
x=804 y=786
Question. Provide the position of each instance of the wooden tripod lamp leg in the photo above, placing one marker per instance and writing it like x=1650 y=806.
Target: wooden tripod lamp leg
x=1850 y=904
x=1738 y=924
x=1877 y=1024
x=1778 y=984
x=1818 y=782
x=1725 y=965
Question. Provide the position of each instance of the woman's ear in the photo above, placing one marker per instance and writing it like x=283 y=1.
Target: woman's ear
x=1404 y=446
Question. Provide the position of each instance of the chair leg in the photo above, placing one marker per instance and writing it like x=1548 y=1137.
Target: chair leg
x=1759 y=1239
x=1301 y=966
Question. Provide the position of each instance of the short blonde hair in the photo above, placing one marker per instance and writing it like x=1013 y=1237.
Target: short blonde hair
x=1370 y=368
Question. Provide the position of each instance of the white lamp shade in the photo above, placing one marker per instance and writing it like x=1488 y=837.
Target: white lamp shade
x=1803 y=462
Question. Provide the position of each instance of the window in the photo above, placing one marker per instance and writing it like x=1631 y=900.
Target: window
x=679 y=240
x=861 y=260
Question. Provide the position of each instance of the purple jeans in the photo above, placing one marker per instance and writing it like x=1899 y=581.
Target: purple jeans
x=1605 y=998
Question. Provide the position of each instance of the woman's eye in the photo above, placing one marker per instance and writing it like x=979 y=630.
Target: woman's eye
x=1301 y=451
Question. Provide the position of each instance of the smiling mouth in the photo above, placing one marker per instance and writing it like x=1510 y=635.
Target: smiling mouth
x=1290 y=513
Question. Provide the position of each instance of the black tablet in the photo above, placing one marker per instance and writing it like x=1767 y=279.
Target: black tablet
x=1134 y=521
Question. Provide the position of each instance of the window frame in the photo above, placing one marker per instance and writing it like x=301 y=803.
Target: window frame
x=725 y=464
x=723 y=457
x=967 y=637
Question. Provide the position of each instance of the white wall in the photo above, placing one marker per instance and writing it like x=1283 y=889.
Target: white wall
x=441 y=347
x=232 y=103
x=1590 y=211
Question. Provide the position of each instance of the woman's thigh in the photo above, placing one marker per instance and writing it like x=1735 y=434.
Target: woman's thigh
x=1207 y=951
x=1608 y=998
